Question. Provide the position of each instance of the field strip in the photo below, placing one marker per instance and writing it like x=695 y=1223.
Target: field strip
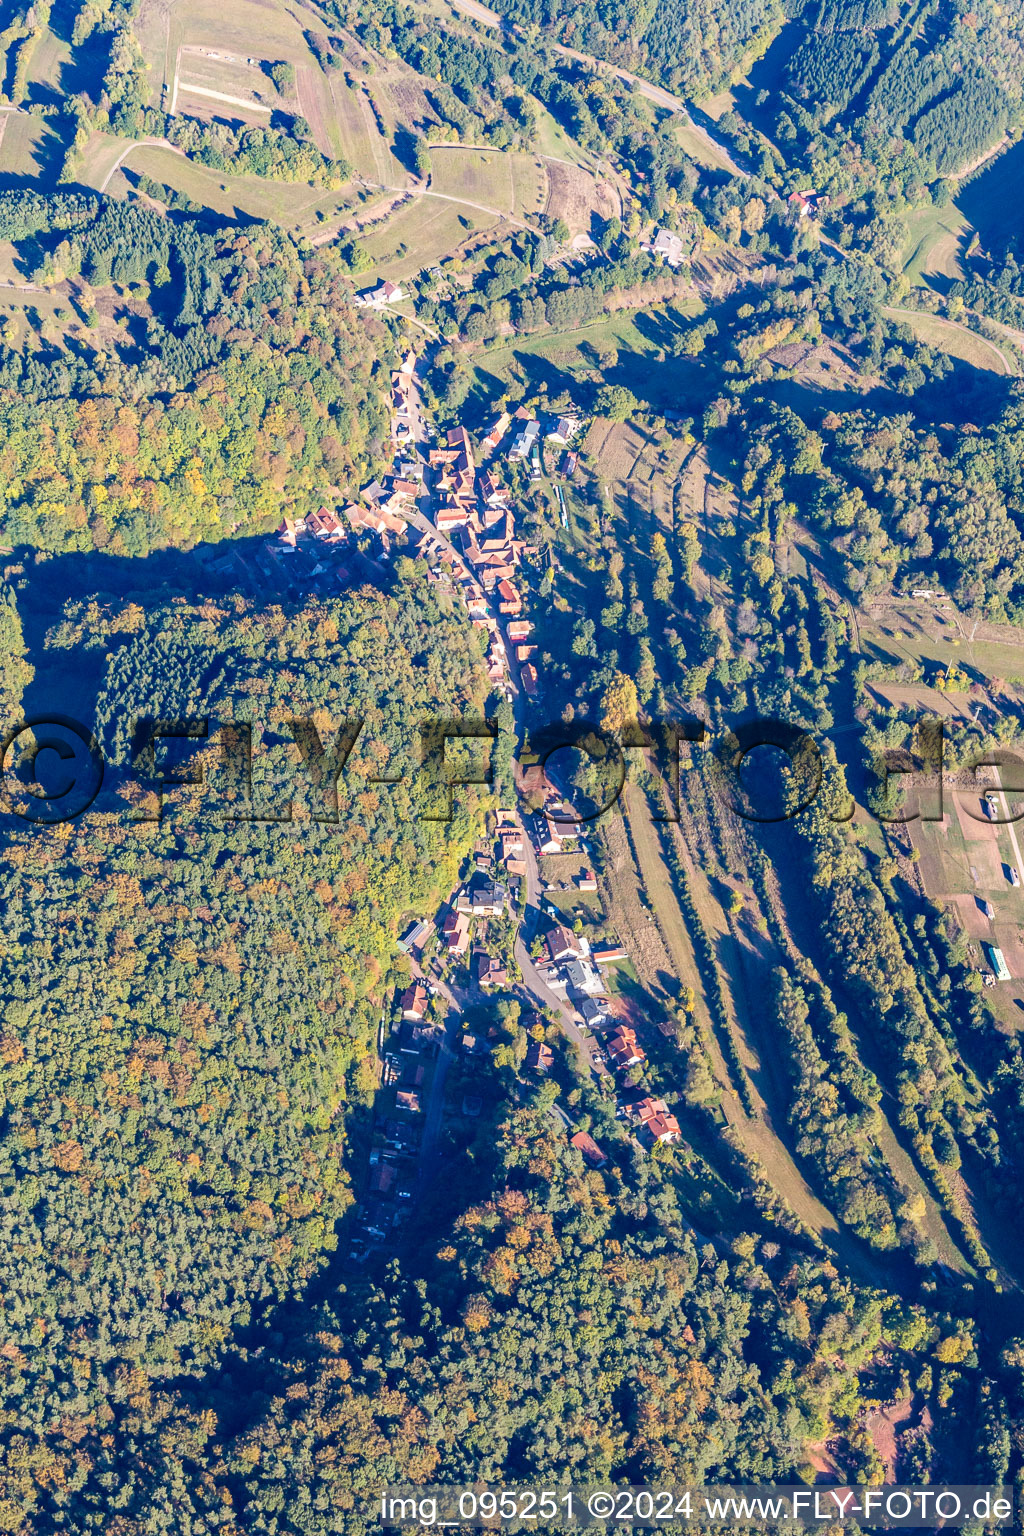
x=311 y=105
x=758 y=1136
x=174 y=88
x=235 y=101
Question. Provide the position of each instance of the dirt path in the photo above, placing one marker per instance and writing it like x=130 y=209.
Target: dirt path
x=234 y=101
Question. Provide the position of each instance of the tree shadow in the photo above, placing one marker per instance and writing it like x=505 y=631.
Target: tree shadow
x=68 y=681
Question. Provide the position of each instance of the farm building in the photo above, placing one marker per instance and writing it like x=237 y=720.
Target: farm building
x=996 y=961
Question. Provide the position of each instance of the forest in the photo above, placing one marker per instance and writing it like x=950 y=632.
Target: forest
x=171 y=985
x=238 y=383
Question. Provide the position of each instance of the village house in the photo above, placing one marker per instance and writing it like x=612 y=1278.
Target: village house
x=593 y=1011
x=408 y=1100
x=582 y=977
x=458 y=437
x=483 y=899
x=561 y=816
x=806 y=203
x=414 y=936
x=623 y=1048
x=288 y=531
x=585 y=1144
x=385 y=292
x=561 y=944
x=414 y=1001
x=408 y=1039
x=609 y=954
x=586 y=881
x=382 y=1178
x=667 y=246
x=510 y=601
x=380 y=520
x=456 y=932
x=492 y=492
x=528 y=676
x=497 y=431
x=525 y=439
x=490 y=972
x=474 y=1045
x=656 y=1120
x=499 y=530
x=539 y=1057
x=323 y=524
x=451 y=516
x=550 y=837
x=564 y=430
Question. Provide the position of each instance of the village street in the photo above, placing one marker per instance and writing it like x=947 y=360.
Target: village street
x=541 y=993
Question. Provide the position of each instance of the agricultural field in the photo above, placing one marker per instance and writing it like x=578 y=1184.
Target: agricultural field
x=956 y=340
x=209 y=85
x=292 y=204
x=423 y=231
x=937 y=238
x=575 y=195
x=965 y=863
x=553 y=141
x=50 y=57
x=935 y=633
x=227 y=34
x=623 y=348
x=30 y=150
x=988 y=204
x=100 y=158
x=701 y=150
x=507 y=183
x=347 y=118
x=470 y=191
